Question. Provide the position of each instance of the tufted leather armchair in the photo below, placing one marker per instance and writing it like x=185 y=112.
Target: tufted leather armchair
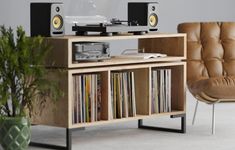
x=210 y=62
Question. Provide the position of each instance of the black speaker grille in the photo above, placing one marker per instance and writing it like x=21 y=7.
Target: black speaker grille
x=138 y=12
x=40 y=14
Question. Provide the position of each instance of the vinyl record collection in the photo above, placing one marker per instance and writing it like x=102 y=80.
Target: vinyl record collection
x=87 y=95
x=123 y=102
x=161 y=91
x=87 y=98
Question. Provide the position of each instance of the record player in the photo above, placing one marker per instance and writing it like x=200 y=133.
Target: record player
x=114 y=27
x=142 y=18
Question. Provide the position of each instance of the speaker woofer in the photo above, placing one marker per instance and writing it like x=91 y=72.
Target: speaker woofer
x=153 y=20
x=57 y=22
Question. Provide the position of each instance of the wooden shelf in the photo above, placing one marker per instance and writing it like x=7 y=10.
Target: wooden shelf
x=72 y=38
x=124 y=61
x=60 y=114
x=113 y=121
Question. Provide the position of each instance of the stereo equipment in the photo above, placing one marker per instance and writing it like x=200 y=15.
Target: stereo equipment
x=108 y=29
x=90 y=51
x=144 y=14
x=46 y=19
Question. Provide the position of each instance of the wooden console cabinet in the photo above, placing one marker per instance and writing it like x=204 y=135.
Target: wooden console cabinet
x=60 y=114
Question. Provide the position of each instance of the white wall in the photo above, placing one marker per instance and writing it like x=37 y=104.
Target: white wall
x=171 y=13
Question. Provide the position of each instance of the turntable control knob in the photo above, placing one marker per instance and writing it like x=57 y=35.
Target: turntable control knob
x=101 y=25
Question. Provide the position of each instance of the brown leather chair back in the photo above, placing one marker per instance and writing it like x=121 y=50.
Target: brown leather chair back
x=210 y=49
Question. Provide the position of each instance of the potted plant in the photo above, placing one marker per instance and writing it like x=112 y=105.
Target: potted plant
x=22 y=83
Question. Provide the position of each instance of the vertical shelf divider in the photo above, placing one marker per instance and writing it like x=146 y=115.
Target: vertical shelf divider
x=105 y=90
x=150 y=90
x=142 y=79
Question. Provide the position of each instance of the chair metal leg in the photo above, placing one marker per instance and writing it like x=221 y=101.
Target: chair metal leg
x=195 y=113
x=213 y=118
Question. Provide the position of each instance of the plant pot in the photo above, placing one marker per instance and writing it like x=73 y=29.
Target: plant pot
x=15 y=133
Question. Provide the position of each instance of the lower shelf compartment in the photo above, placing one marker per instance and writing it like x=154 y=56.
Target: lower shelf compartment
x=89 y=93
x=137 y=117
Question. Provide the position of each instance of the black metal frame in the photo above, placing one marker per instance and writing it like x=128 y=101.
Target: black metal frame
x=68 y=145
x=181 y=130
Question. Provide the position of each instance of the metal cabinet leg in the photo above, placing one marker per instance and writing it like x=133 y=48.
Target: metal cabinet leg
x=69 y=139
x=57 y=147
x=183 y=124
x=181 y=130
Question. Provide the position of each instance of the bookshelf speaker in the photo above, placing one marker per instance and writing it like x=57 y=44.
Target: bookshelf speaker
x=46 y=19
x=144 y=14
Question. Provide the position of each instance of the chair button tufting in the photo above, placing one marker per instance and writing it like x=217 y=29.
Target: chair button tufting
x=224 y=73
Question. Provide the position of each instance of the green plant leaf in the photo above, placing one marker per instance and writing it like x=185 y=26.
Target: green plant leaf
x=23 y=77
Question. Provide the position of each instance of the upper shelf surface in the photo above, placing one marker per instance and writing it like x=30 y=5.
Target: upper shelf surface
x=74 y=38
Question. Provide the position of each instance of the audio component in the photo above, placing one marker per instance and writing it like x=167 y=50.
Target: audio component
x=114 y=27
x=46 y=19
x=142 y=18
x=90 y=51
x=144 y=13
